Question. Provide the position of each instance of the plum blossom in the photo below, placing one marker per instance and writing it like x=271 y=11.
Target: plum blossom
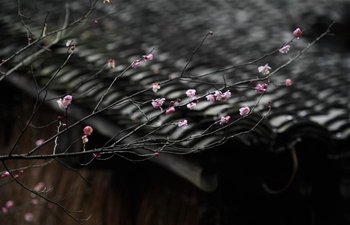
x=222 y=96
x=5 y=174
x=39 y=187
x=182 y=123
x=88 y=130
x=191 y=105
x=34 y=201
x=97 y=155
x=260 y=88
x=284 y=49
x=288 y=82
x=191 y=92
x=39 y=142
x=69 y=42
x=29 y=217
x=158 y=102
x=264 y=69
x=224 y=119
x=9 y=204
x=170 y=110
x=84 y=139
x=244 y=111
x=136 y=63
x=210 y=97
x=111 y=63
x=63 y=104
x=155 y=87
x=148 y=57
x=297 y=33
x=106 y=1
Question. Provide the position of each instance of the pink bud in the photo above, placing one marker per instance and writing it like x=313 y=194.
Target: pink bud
x=97 y=155
x=156 y=154
x=9 y=204
x=288 y=82
x=211 y=32
x=136 y=63
x=34 y=201
x=39 y=142
x=148 y=57
x=170 y=110
x=297 y=33
x=111 y=63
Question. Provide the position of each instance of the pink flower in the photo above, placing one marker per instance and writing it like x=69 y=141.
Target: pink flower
x=297 y=33
x=97 y=155
x=210 y=97
x=244 y=111
x=224 y=119
x=39 y=142
x=158 y=102
x=69 y=42
x=155 y=87
x=288 y=82
x=148 y=57
x=222 y=96
x=84 y=139
x=4 y=209
x=39 y=186
x=111 y=63
x=136 y=63
x=5 y=174
x=63 y=104
x=29 y=217
x=182 y=123
x=284 y=49
x=34 y=201
x=88 y=130
x=191 y=105
x=191 y=92
x=170 y=110
x=264 y=69
x=260 y=88
x=9 y=204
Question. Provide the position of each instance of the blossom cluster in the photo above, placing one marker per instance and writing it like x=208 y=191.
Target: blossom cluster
x=87 y=131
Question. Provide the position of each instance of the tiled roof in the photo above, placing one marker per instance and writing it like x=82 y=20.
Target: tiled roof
x=243 y=31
